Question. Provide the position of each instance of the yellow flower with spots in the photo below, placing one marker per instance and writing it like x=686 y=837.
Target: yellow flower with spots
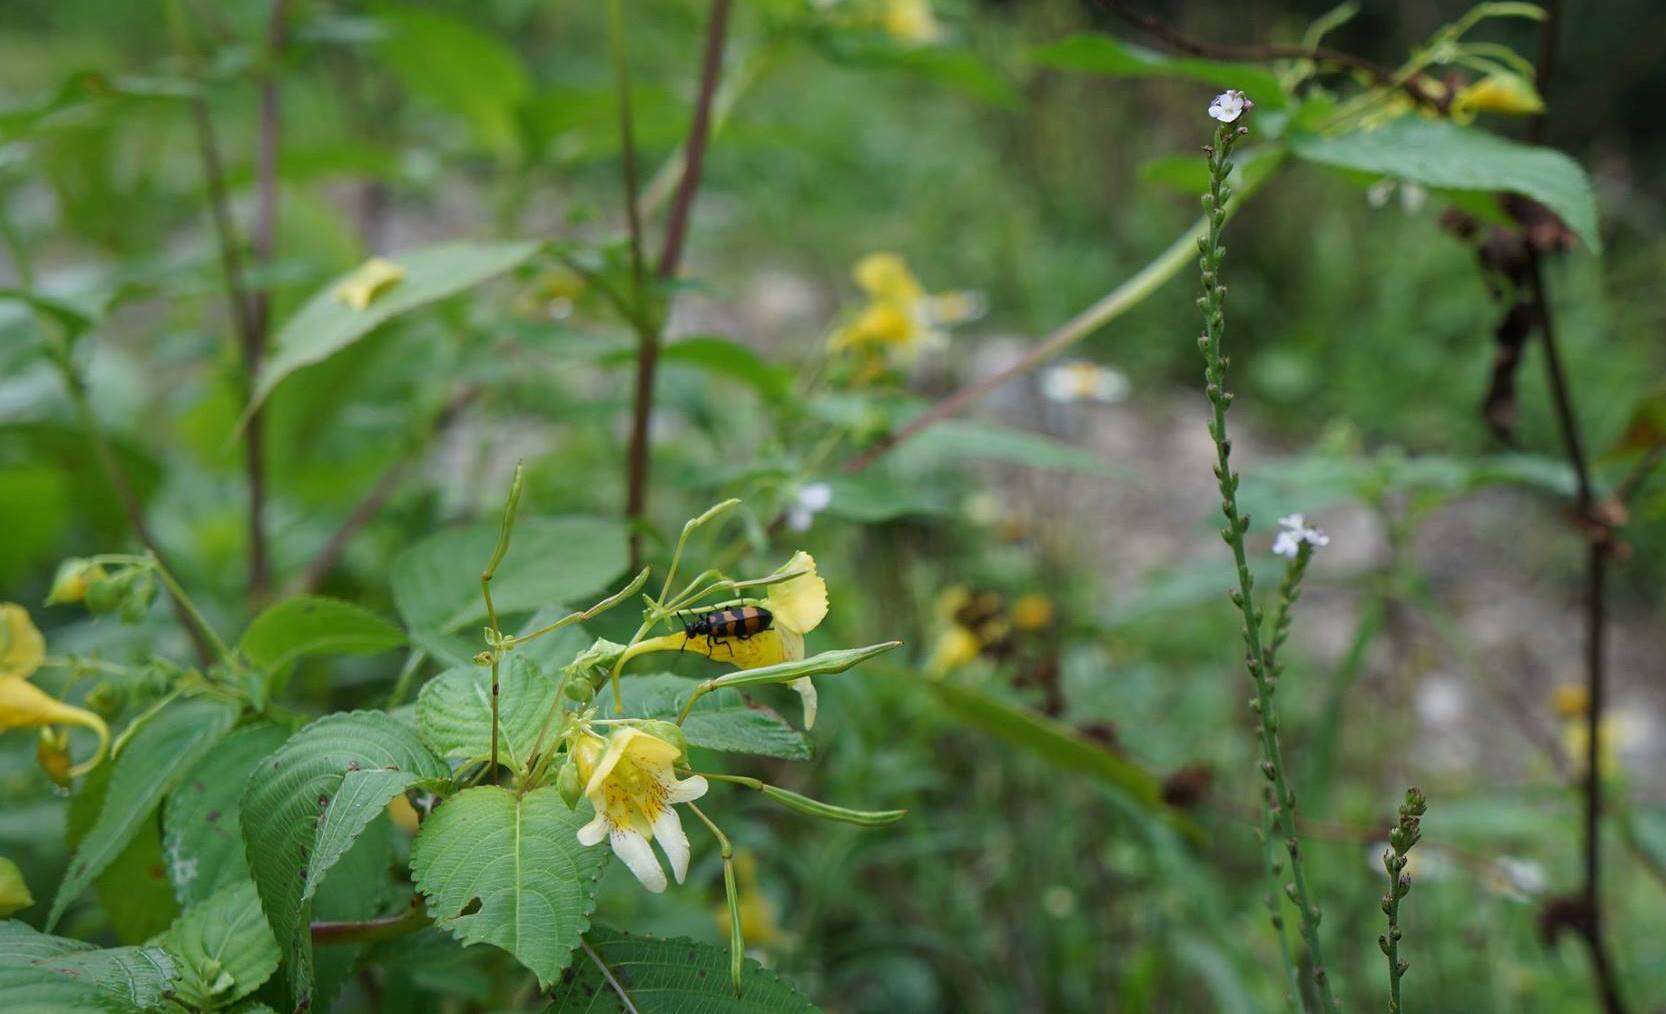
x=628 y=778
x=26 y=706
x=369 y=282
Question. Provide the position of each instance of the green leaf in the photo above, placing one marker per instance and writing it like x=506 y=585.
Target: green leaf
x=1103 y=54
x=962 y=440
x=509 y=871
x=721 y=357
x=50 y=975
x=326 y=324
x=876 y=495
x=151 y=764
x=436 y=583
x=202 y=821
x=313 y=625
x=669 y=977
x=459 y=68
x=133 y=890
x=1054 y=742
x=721 y=720
x=222 y=947
x=306 y=803
x=454 y=710
x=1437 y=153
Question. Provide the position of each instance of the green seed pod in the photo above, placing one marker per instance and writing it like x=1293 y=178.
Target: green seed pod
x=580 y=690
x=668 y=731
x=105 y=595
x=568 y=784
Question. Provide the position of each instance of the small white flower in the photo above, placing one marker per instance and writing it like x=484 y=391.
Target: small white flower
x=1229 y=105
x=808 y=500
x=1080 y=381
x=1293 y=531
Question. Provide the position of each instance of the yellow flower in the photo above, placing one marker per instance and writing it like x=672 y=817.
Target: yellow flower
x=885 y=276
x=911 y=22
x=1619 y=729
x=634 y=790
x=403 y=814
x=1032 y=612
x=73 y=579
x=26 y=706
x=22 y=648
x=956 y=646
x=1570 y=700
x=14 y=892
x=368 y=282
x=900 y=318
x=1499 y=92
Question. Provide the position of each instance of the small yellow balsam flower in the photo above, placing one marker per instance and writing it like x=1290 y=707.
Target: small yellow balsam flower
x=369 y=282
x=629 y=780
x=900 y=318
x=26 y=706
x=911 y=22
x=1500 y=92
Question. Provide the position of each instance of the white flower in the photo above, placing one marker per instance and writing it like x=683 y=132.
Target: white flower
x=1229 y=105
x=630 y=782
x=1081 y=381
x=808 y=500
x=1293 y=532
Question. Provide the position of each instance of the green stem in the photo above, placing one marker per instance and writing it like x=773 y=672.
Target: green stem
x=1255 y=657
x=737 y=943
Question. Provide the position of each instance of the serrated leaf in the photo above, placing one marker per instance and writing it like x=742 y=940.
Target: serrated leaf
x=47 y=974
x=360 y=886
x=222 y=947
x=675 y=976
x=1103 y=54
x=436 y=583
x=454 y=710
x=509 y=871
x=1437 y=153
x=307 y=802
x=148 y=768
x=326 y=324
x=721 y=720
x=314 y=625
x=202 y=838
x=133 y=890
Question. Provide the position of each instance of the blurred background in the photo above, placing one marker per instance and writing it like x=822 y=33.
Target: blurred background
x=1079 y=579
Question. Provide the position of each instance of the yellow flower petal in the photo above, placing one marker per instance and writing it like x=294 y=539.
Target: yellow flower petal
x=1503 y=93
x=372 y=279
x=955 y=647
x=22 y=648
x=26 y=706
x=885 y=276
x=799 y=604
x=14 y=892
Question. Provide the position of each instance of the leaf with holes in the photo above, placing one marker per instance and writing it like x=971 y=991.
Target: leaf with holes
x=314 y=625
x=454 y=710
x=327 y=324
x=436 y=583
x=152 y=763
x=667 y=976
x=47 y=974
x=306 y=803
x=202 y=837
x=1439 y=154
x=222 y=948
x=509 y=872
x=720 y=720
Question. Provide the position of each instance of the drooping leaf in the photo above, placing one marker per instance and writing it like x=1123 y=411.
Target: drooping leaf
x=314 y=625
x=306 y=803
x=1056 y=743
x=148 y=768
x=1104 y=54
x=436 y=583
x=222 y=947
x=41 y=974
x=1438 y=153
x=327 y=324
x=202 y=836
x=721 y=720
x=454 y=710
x=509 y=871
x=669 y=977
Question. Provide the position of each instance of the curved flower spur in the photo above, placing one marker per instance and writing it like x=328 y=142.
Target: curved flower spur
x=635 y=770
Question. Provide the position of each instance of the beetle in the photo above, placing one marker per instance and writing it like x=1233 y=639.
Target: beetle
x=740 y=623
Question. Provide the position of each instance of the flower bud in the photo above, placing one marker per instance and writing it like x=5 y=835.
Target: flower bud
x=74 y=577
x=568 y=783
x=580 y=690
x=668 y=731
x=52 y=754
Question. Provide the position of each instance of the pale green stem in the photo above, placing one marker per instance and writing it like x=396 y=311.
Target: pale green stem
x=737 y=943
